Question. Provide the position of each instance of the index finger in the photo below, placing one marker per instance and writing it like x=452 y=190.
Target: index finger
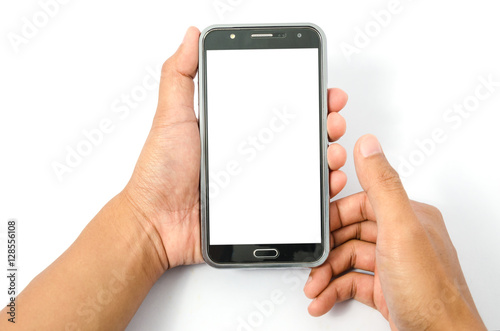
x=349 y=210
x=337 y=99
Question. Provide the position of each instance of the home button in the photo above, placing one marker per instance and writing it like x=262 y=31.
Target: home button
x=266 y=253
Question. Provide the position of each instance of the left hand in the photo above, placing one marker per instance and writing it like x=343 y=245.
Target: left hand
x=164 y=188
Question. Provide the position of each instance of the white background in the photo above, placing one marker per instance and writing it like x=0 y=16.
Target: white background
x=67 y=78
x=266 y=101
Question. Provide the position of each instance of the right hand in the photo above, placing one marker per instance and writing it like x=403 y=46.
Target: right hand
x=417 y=282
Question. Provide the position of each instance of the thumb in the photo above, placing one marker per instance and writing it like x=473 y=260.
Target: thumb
x=381 y=183
x=176 y=95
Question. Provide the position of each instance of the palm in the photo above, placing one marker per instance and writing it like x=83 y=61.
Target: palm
x=176 y=162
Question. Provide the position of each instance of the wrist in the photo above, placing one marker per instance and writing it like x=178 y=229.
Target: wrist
x=174 y=221
x=144 y=237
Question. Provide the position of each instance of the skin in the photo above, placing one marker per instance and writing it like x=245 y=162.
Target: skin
x=153 y=225
x=417 y=282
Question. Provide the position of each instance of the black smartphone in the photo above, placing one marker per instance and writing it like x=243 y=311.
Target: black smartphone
x=264 y=173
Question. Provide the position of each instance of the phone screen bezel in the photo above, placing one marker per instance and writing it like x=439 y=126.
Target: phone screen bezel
x=218 y=38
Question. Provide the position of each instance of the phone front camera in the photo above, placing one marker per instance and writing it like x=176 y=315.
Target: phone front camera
x=299 y=35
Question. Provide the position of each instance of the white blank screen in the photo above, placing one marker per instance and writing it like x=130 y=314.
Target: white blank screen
x=263 y=146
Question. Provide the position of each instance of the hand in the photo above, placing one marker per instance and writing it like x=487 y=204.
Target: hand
x=417 y=282
x=164 y=188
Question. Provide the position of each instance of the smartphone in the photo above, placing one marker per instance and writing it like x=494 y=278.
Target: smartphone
x=264 y=173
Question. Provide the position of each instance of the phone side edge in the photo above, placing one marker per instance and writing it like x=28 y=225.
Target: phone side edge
x=203 y=147
x=324 y=147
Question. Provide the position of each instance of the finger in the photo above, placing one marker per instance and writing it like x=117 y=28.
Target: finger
x=349 y=210
x=336 y=126
x=365 y=231
x=338 y=179
x=176 y=96
x=353 y=285
x=353 y=254
x=383 y=187
x=336 y=156
x=337 y=99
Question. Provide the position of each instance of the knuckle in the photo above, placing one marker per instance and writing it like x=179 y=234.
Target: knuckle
x=389 y=179
x=167 y=65
x=429 y=210
x=434 y=211
x=358 y=229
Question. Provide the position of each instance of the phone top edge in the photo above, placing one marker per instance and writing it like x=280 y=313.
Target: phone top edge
x=260 y=25
x=214 y=27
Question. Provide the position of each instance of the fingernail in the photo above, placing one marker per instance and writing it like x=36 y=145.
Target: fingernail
x=370 y=146
x=309 y=280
